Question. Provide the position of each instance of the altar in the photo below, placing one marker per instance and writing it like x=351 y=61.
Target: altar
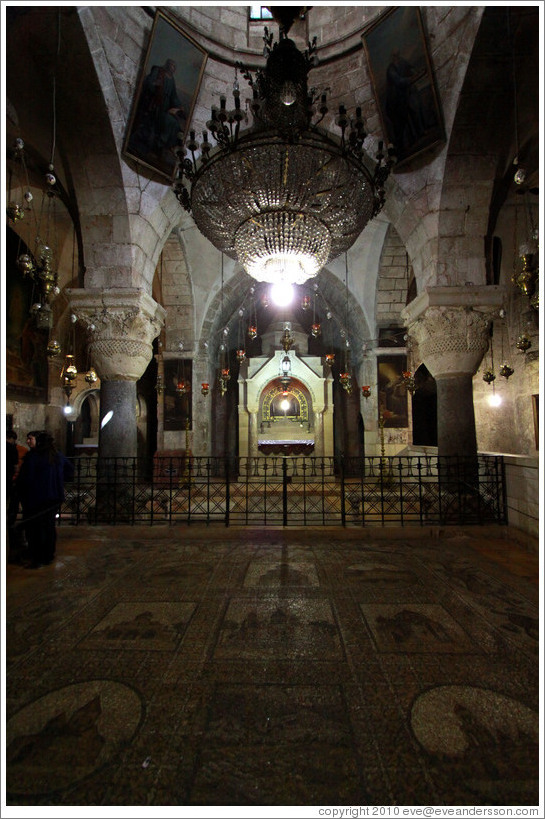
x=286 y=447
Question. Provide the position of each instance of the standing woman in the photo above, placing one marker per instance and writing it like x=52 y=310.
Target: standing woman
x=40 y=485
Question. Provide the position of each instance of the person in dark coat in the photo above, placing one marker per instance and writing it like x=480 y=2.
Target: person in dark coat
x=40 y=486
x=12 y=460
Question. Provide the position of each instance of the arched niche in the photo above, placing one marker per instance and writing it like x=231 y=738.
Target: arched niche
x=309 y=392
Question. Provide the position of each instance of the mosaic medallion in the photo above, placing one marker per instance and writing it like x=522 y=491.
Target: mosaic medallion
x=67 y=734
x=484 y=742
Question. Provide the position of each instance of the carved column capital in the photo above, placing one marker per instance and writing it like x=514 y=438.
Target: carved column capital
x=451 y=339
x=122 y=324
x=451 y=327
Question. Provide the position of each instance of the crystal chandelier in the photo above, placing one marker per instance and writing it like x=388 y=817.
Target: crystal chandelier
x=283 y=196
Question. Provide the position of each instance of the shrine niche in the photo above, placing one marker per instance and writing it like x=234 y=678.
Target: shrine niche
x=279 y=403
x=285 y=427
x=285 y=416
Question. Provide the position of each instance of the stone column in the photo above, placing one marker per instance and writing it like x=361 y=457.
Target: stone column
x=201 y=405
x=327 y=417
x=319 y=433
x=253 y=435
x=451 y=328
x=122 y=324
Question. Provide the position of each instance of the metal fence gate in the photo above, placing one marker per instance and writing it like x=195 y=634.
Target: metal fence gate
x=287 y=491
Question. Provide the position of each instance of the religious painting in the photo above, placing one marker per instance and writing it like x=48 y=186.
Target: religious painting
x=168 y=88
x=26 y=344
x=177 y=404
x=400 y=72
x=392 y=392
x=392 y=336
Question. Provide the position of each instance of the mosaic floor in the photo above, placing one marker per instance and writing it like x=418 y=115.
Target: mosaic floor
x=222 y=667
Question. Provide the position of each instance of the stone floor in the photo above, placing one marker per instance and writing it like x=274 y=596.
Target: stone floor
x=252 y=667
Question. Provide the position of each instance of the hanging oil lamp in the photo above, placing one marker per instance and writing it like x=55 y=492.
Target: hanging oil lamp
x=69 y=371
x=305 y=303
x=252 y=331
x=330 y=359
x=25 y=263
x=315 y=330
x=224 y=377
x=53 y=348
x=366 y=390
x=408 y=378
x=523 y=343
x=489 y=376
x=205 y=387
x=506 y=371
x=346 y=382
x=15 y=212
x=241 y=355
x=90 y=376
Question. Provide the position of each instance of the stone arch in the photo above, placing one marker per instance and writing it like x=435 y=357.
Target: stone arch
x=274 y=389
x=414 y=193
x=125 y=234
x=424 y=408
x=222 y=309
x=347 y=314
x=477 y=182
x=88 y=398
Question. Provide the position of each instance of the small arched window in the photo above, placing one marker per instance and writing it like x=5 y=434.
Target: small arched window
x=260 y=13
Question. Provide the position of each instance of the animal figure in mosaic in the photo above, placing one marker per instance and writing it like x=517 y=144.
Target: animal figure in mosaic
x=407 y=624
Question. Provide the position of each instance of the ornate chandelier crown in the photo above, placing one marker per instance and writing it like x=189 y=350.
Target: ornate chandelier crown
x=283 y=197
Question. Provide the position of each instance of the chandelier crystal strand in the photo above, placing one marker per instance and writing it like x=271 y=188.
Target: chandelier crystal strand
x=282 y=197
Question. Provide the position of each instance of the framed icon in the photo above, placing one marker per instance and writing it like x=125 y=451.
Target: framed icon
x=402 y=79
x=168 y=88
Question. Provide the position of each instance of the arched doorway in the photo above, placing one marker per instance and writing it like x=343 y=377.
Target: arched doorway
x=86 y=424
x=424 y=404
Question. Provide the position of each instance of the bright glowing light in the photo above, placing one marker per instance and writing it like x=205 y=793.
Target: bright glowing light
x=107 y=417
x=285 y=405
x=67 y=409
x=282 y=293
x=494 y=400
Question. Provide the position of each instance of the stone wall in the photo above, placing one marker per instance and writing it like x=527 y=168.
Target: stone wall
x=522 y=484
x=392 y=280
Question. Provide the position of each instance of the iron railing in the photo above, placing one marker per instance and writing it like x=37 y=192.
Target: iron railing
x=288 y=491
